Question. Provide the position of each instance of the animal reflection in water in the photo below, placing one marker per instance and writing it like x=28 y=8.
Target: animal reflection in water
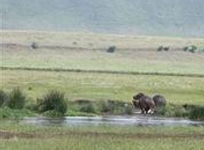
x=148 y=104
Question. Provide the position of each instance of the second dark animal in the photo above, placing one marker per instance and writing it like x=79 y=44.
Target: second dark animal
x=159 y=101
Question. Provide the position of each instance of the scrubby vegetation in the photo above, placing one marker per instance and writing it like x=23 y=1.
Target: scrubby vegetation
x=34 y=45
x=54 y=104
x=163 y=48
x=16 y=99
x=3 y=97
x=191 y=48
x=111 y=49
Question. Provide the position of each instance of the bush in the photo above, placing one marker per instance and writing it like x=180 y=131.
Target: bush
x=34 y=45
x=16 y=99
x=7 y=112
x=128 y=109
x=191 y=48
x=3 y=97
x=161 y=110
x=172 y=111
x=111 y=49
x=53 y=101
x=166 y=48
x=107 y=106
x=162 y=48
x=197 y=113
x=88 y=108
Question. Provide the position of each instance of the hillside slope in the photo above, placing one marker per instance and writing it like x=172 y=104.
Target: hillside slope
x=160 y=17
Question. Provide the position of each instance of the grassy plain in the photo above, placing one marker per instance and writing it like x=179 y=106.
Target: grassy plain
x=95 y=86
x=16 y=136
x=88 y=52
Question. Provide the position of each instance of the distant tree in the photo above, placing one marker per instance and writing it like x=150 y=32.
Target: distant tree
x=160 y=48
x=166 y=48
x=191 y=48
x=111 y=49
x=34 y=45
x=163 y=48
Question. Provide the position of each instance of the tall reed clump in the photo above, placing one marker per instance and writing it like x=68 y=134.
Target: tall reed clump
x=3 y=97
x=197 y=113
x=107 y=106
x=52 y=104
x=16 y=99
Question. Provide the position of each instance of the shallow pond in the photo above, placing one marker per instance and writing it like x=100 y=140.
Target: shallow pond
x=111 y=120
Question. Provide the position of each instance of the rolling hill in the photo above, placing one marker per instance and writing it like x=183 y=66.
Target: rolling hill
x=147 y=17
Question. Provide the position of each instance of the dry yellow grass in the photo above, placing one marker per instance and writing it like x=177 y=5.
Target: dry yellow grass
x=94 y=40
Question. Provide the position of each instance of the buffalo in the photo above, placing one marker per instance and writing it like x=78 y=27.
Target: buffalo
x=159 y=101
x=144 y=102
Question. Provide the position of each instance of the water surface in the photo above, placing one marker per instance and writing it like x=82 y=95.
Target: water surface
x=111 y=120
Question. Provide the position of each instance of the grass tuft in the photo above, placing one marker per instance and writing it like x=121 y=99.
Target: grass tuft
x=53 y=103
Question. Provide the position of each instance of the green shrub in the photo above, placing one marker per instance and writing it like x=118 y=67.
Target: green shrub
x=197 y=113
x=161 y=111
x=191 y=49
x=3 y=97
x=88 y=108
x=111 y=49
x=160 y=48
x=52 y=101
x=16 y=99
x=107 y=106
x=172 y=111
x=7 y=112
x=34 y=45
x=128 y=109
x=166 y=48
x=163 y=48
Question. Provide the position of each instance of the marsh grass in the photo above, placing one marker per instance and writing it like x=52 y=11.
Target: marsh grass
x=53 y=103
x=6 y=112
x=197 y=112
x=3 y=97
x=102 y=137
x=16 y=99
x=93 y=86
x=101 y=143
x=106 y=79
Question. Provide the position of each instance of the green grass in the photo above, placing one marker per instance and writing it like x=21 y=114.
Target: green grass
x=102 y=143
x=101 y=137
x=133 y=54
x=78 y=65
x=15 y=113
x=94 y=86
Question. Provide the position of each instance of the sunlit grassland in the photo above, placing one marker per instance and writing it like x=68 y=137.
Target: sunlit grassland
x=16 y=126
x=95 y=40
x=102 y=137
x=87 y=51
x=102 y=143
x=103 y=86
x=121 y=60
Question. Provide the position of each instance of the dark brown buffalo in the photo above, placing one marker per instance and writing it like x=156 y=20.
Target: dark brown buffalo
x=144 y=102
x=159 y=101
